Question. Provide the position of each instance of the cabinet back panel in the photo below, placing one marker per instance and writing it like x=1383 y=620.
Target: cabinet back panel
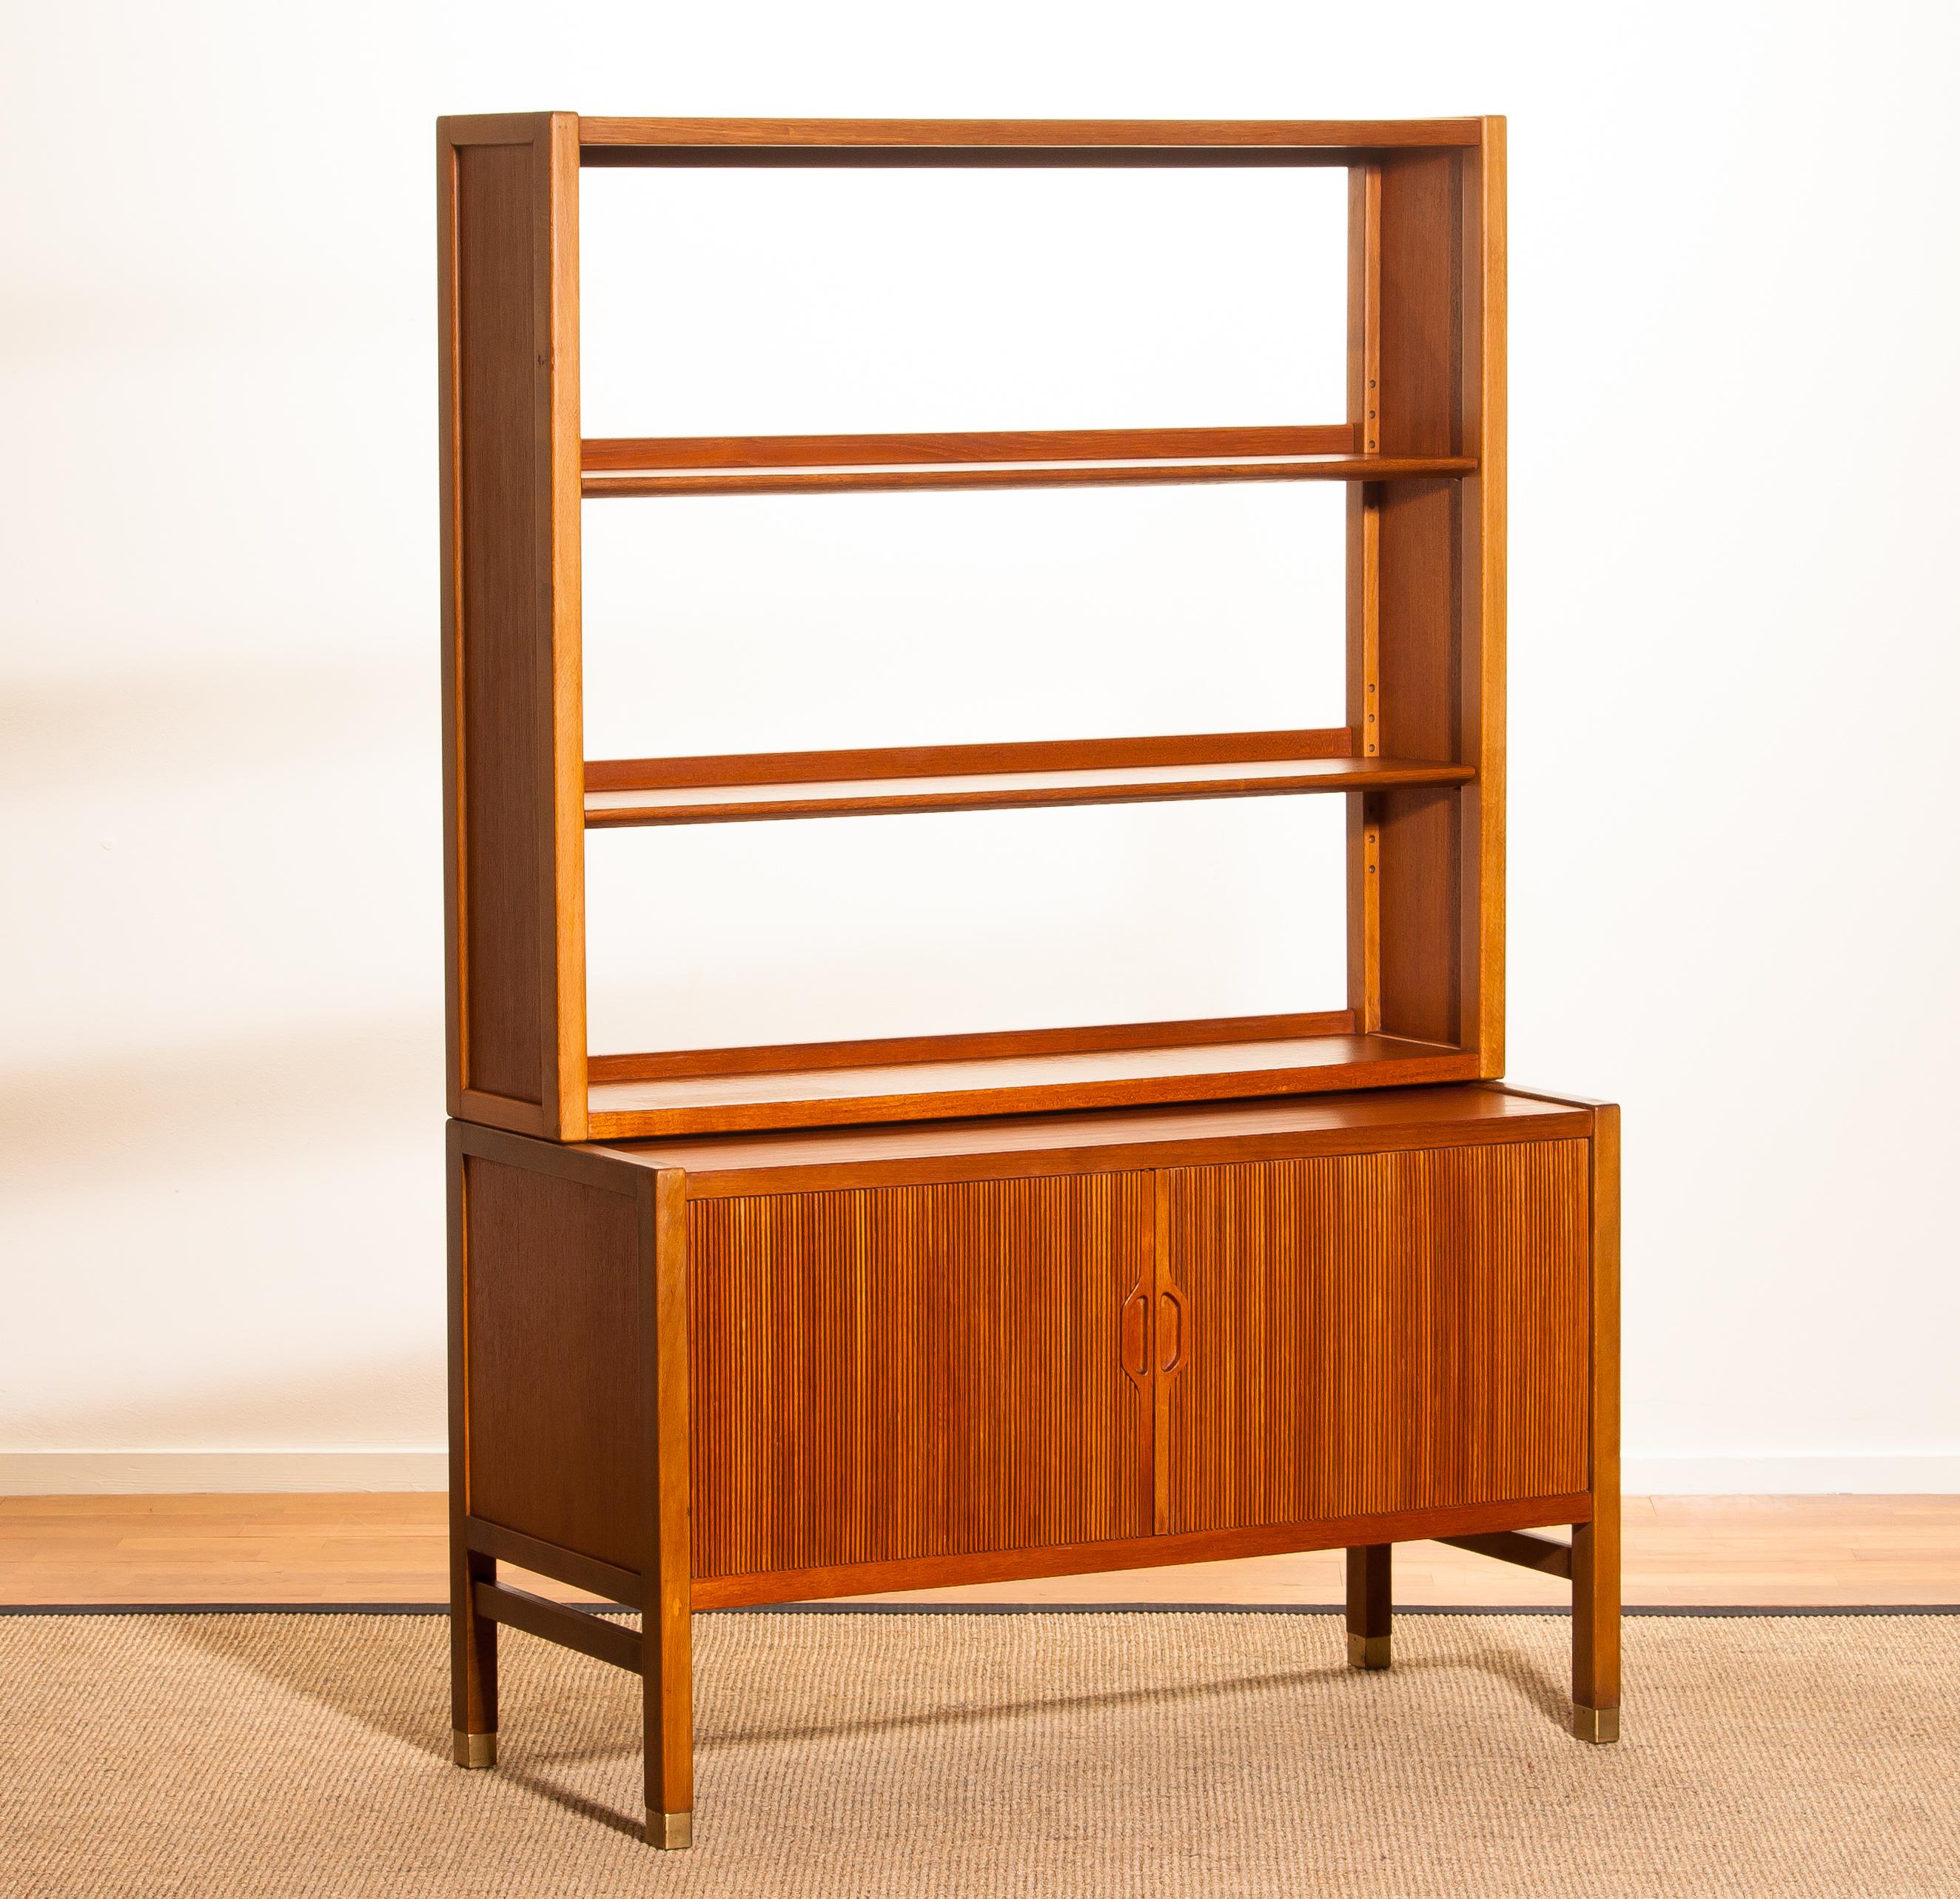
x=911 y=1371
x=1374 y=1333
x=749 y=302
x=836 y=929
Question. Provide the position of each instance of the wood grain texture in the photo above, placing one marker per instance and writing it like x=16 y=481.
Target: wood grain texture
x=1052 y=474
x=1419 y=898
x=552 y=1331
x=1382 y=1333
x=507 y=199
x=1010 y=791
x=625 y=454
x=1024 y=1146
x=918 y=1371
x=1109 y=1077
x=501 y=946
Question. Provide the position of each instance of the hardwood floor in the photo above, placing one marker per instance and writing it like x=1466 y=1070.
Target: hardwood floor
x=389 y=1546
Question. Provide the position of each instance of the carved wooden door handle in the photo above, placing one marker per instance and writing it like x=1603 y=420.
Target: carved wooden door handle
x=1174 y=1309
x=1135 y=1344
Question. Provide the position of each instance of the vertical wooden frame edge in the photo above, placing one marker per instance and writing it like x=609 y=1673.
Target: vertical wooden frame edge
x=455 y=894
x=1364 y=587
x=1159 y=1386
x=1604 y=1447
x=564 y=1030
x=1595 y=1574
x=1485 y=675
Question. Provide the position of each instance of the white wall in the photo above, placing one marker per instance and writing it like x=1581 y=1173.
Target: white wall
x=1734 y=878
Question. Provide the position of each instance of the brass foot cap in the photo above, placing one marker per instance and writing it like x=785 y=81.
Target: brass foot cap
x=1599 y=1725
x=475 y=1750
x=672 y=1830
x=1367 y=1651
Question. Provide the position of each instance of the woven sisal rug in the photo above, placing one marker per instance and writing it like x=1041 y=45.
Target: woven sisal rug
x=1037 y=1754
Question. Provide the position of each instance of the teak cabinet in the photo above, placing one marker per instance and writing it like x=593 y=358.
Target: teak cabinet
x=750 y=1325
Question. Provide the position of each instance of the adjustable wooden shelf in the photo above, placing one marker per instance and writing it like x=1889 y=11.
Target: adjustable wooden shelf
x=761 y=1323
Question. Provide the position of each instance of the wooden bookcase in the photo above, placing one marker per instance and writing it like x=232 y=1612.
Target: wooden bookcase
x=1422 y=1263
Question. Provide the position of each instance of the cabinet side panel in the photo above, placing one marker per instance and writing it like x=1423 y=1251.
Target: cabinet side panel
x=500 y=715
x=511 y=606
x=551 y=1332
x=892 y=1372
x=1379 y=1332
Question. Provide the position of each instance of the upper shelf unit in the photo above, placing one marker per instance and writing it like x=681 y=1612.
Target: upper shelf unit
x=964 y=778
x=1419 y=445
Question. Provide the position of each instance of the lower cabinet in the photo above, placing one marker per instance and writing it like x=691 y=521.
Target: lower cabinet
x=690 y=1375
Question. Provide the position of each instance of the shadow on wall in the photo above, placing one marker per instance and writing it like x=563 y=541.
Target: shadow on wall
x=211 y=761
x=194 y=722
x=219 y=1108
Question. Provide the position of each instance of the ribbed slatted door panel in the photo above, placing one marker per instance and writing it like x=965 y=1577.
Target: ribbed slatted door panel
x=1378 y=1332
x=904 y=1371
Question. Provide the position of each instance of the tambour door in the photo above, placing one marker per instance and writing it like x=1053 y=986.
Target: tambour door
x=891 y=1372
x=1373 y=1333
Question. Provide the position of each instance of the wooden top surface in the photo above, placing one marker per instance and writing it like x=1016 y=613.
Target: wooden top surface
x=1007 y=1145
x=1040 y=134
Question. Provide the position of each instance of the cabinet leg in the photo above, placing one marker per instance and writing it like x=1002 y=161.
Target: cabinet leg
x=666 y=1639
x=1370 y=1605
x=473 y=1664
x=1595 y=1624
x=1595 y=1545
x=668 y=1661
